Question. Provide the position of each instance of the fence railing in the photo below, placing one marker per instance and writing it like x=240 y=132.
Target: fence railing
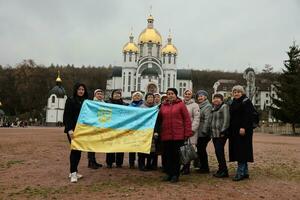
x=276 y=128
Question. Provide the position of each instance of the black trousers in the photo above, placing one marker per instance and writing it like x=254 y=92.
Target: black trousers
x=219 y=144
x=141 y=160
x=152 y=160
x=202 y=153
x=172 y=157
x=115 y=157
x=92 y=156
x=75 y=156
x=132 y=158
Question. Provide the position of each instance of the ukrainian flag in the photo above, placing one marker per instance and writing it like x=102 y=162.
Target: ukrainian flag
x=105 y=127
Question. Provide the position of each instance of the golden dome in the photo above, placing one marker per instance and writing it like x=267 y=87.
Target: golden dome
x=58 y=79
x=150 y=34
x=130 y=46
x=169 y=48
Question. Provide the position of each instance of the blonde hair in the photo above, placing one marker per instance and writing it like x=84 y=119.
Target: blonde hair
x=238 y=88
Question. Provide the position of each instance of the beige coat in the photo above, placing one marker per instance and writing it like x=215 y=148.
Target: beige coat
x=194 y=112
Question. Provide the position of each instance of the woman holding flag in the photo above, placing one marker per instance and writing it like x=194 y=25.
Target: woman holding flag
x=71 y=113
x=176 y=127
x=116 y=98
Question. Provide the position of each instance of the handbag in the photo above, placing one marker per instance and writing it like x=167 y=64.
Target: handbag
x=187 y=153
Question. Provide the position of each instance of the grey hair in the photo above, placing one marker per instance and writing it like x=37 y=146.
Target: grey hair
x=238 y=88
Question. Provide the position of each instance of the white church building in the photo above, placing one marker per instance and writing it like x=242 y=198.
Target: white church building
x=56 y=104
x=149 y=66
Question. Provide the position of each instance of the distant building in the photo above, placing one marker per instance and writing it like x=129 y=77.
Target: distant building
x=56 y=104
x=149 y=66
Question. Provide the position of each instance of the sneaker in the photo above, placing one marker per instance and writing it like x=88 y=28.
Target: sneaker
x=74 y=177
x=79 y=176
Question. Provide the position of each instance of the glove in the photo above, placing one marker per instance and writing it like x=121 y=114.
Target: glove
x=155 y=135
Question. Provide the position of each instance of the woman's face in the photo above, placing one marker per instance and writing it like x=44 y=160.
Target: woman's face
x=217 y=101
x=136 y=97
x=171 y=95
x=201 y=98
x=80 y=91
x=99 y=96
x=188 y=95
x=117 y=95
x=150 y=100
x=237 y=94
x=157 y=99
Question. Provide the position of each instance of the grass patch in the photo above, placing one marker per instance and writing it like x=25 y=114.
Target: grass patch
x=43 y=192
x=10 y=163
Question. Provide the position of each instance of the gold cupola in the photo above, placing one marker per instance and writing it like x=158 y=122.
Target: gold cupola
x=130 y=46
x=58 y=79
x=169 y=48
x=150 y=34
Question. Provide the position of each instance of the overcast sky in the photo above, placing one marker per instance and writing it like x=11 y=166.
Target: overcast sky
x=209 y=34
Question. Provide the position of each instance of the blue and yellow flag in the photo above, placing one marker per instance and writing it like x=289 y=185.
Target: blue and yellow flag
x=105 y=127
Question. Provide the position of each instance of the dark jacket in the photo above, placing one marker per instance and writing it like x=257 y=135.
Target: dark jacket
x=72 y=108
x=240 y=147
x=175 y=121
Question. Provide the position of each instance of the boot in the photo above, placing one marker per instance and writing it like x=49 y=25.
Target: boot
x=93 y=165
x=221 y=174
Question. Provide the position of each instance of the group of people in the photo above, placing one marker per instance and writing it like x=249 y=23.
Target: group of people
x=179 y=120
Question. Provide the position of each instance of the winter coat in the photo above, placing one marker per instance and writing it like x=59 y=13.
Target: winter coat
x=119 y=102
x=175 y=121
x=194 y=112
x=136 y=103
x=240 y=147
x=205 y=119
x=71 y=113
x=220 y=121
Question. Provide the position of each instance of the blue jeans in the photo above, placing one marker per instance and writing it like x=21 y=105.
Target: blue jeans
x=242 y=169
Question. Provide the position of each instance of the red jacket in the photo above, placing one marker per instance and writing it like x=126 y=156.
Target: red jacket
x=175 y=121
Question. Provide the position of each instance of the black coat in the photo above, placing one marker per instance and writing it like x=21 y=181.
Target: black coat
x=71 y=113
x=240 y=147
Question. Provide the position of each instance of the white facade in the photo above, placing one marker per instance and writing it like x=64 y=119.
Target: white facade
x=55 y=109
x=148 y=64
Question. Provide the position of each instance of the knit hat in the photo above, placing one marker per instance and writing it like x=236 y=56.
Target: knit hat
x=202 y=93
x=137 y=92
x=97 y=90
x=157 y=94
x=220 y=96
x=188 y=90
x=173 y=90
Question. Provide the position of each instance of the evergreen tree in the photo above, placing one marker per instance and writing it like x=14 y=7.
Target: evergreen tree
x=286 y=107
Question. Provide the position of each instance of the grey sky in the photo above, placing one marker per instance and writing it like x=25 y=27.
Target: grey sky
x=211 y=34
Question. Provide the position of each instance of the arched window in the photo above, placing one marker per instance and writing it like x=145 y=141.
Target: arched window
x=169 y=59
x=53 y=99
x=130 y=57
x=164 y=59
x=174 y=80
x=169 y=80
x=174 y=59
x=141 y=50
x=129 y=81
x=150 y=49
x=157 y=50
x=124 y=81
